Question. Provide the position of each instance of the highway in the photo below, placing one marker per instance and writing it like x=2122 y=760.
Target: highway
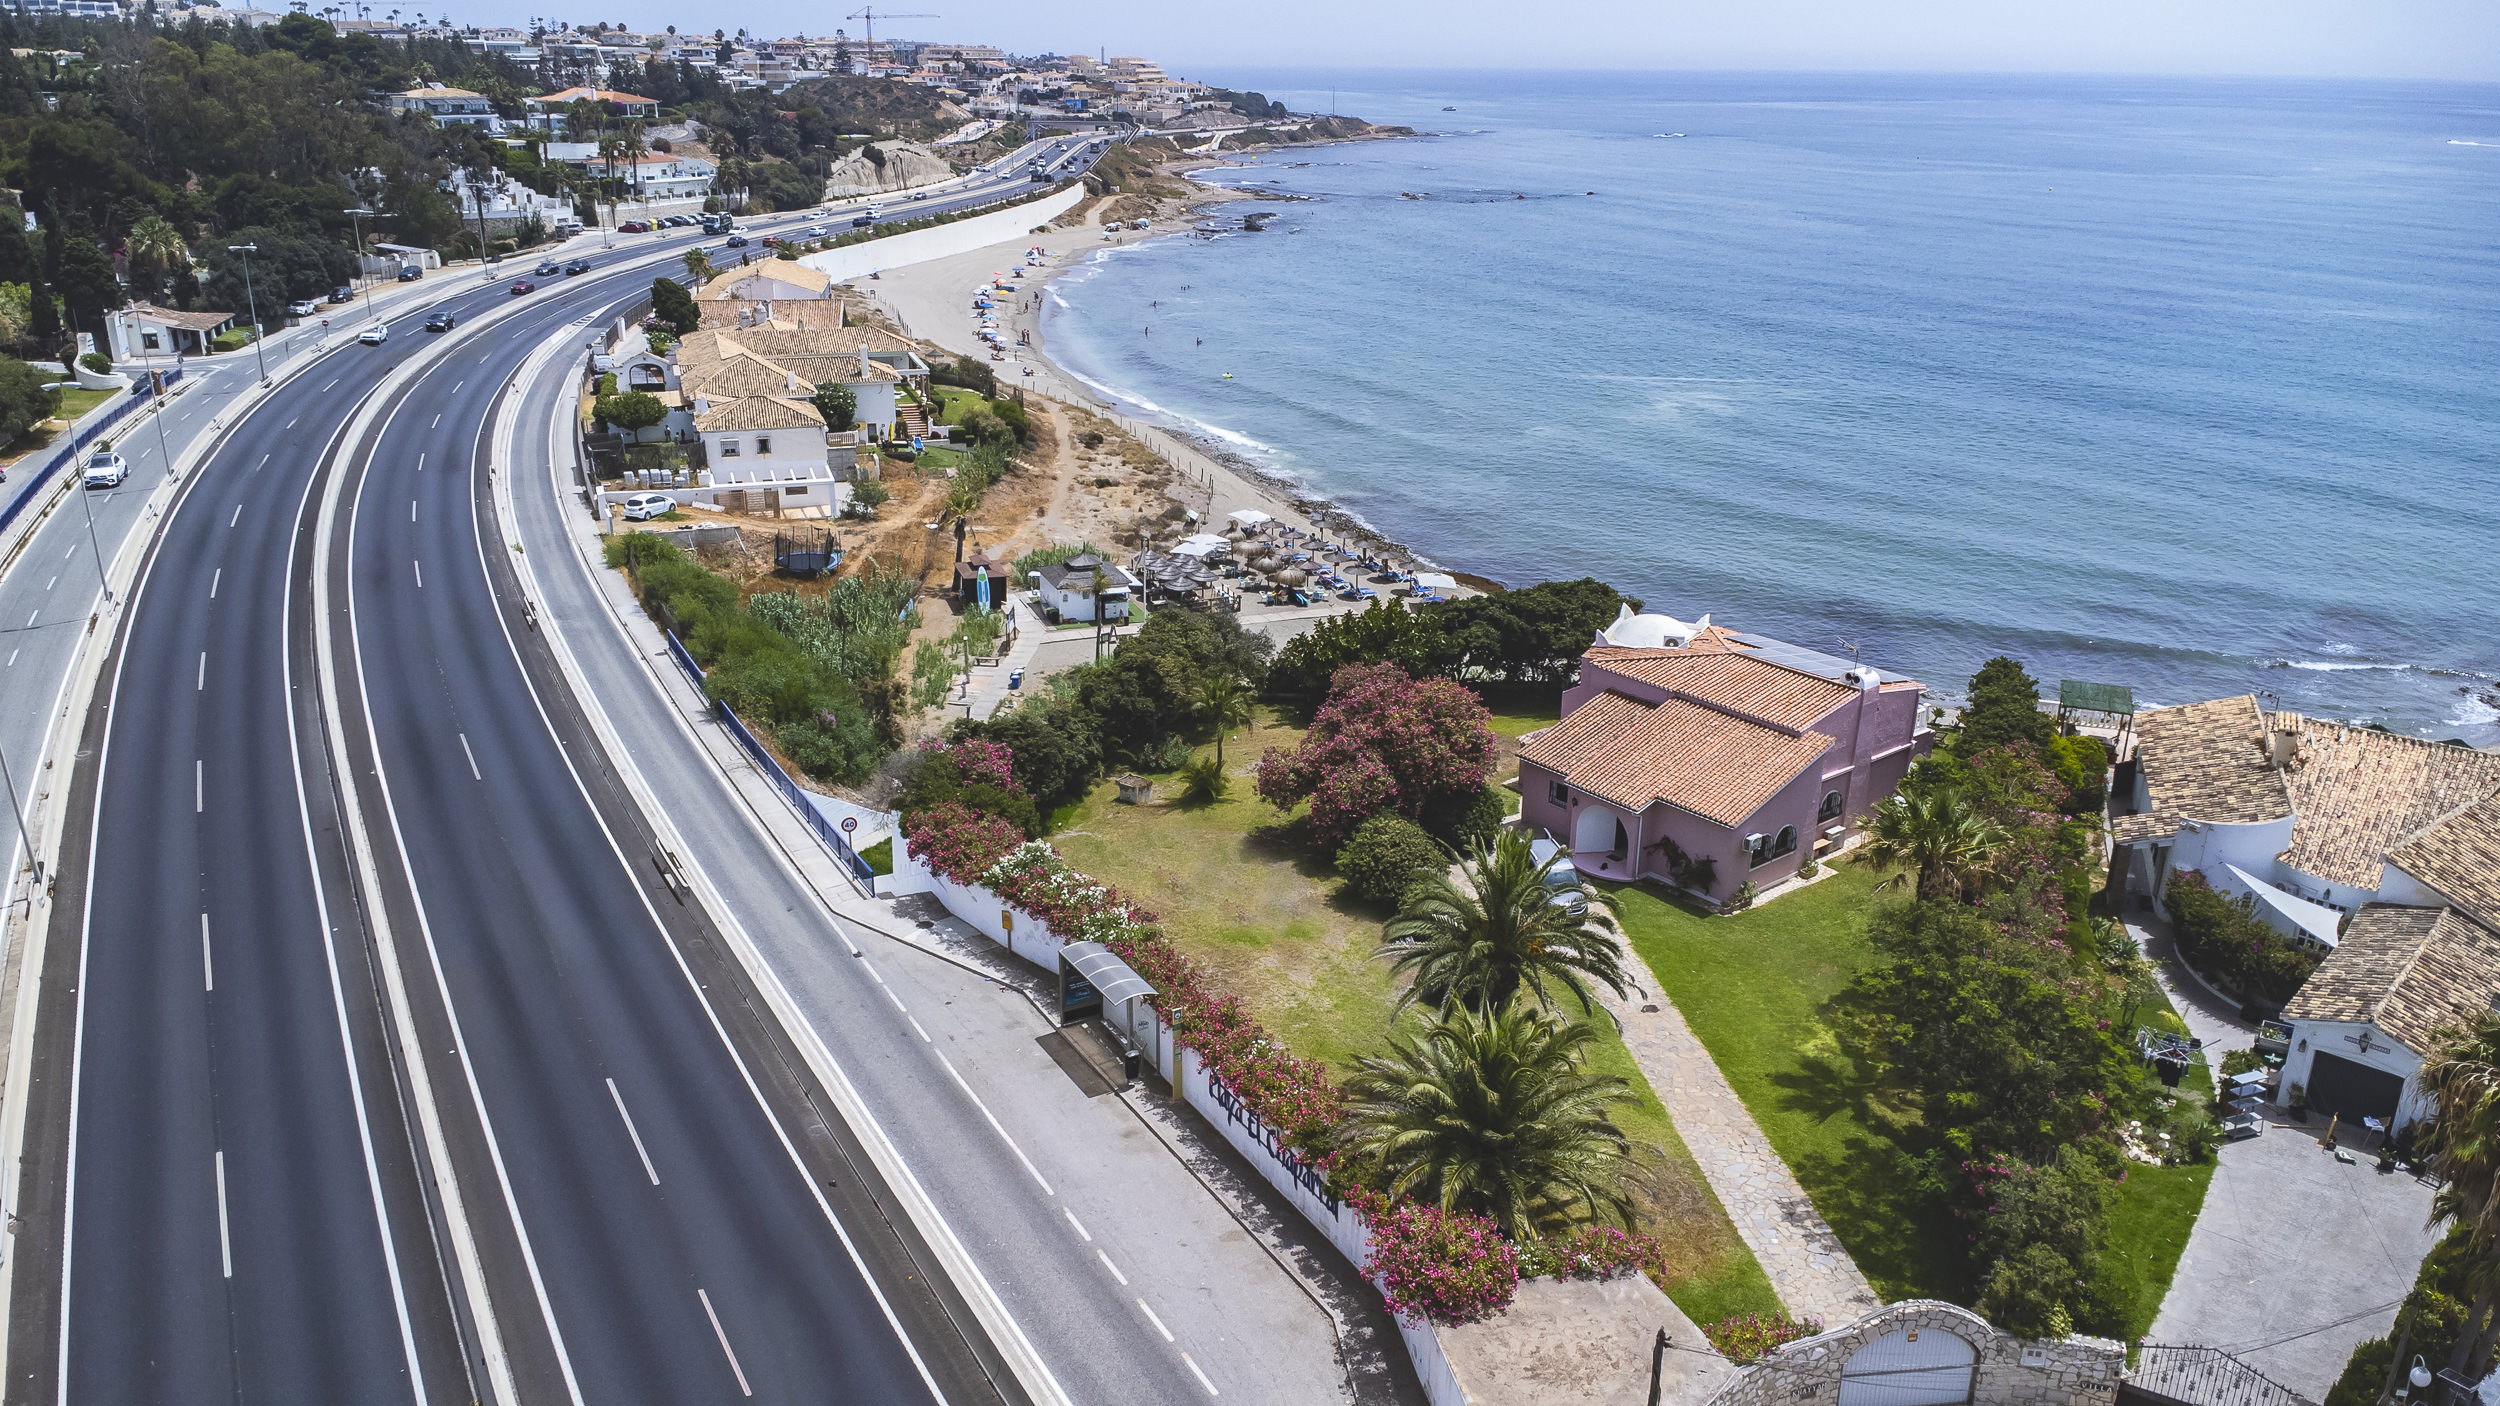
x=228 y=1196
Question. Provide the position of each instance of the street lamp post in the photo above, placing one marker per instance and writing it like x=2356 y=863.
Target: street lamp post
x=356 y=220
x=253 y=303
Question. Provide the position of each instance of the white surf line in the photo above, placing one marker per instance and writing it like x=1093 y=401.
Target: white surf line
x=1115 y=1269
x=994 y=1124
x=420 y=566
x=202 y=685
x=208 y=968
x=472 y=756
x=1151 y=1318
x=1201 y=1376
x=225 y=1239
x=218 y=576
x=727 y=1351
x=238 y=515
x=631 y=1132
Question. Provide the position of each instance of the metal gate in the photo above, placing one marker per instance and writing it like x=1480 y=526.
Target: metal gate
x=1914 y=1367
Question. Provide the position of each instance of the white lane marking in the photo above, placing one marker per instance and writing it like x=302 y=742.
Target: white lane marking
x=871 y=968
x=219 y=575
x=472 y=756
x=631 y=1132
x=333 y=382
x=1115 y=1269
x=48 y=585
x=202 y=685
x=897 y=1000
x=420 y=566
x=726 y=1350
x=73 y=551
x=412 y=510
x=1150 y=1317
x=437 y=421
x=263 y=460
x=456 y=385
x=994 y=1124
x=420 y=463
x=915 y=1025
x=1080 y=1225
x=225 y=1240
x=208 y=968
x=290 y=425
x=13 y=658
x=30 y=615
x=1201 y=1376
x=199 y=786
x=238 y=515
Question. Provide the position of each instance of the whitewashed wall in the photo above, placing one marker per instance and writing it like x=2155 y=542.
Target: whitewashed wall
x=943 y=241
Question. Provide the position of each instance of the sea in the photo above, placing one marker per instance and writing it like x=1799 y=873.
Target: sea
x=2188 y=385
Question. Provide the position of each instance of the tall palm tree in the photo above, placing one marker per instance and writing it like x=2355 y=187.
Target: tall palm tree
x=1495 y=1114
x=698 y=267
x=2462 y=1078
x=1935 y=834
x=1223 y=696
x=156 y=250
x=1503 y=925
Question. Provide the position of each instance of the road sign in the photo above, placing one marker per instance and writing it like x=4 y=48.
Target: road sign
x=849 y=823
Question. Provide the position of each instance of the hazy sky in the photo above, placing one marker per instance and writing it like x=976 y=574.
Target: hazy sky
x=2359 y=38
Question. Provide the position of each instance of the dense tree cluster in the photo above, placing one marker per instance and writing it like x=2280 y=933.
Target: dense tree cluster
x=1533 y=636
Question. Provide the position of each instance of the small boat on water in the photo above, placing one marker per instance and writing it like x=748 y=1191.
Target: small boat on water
x=1449 y=109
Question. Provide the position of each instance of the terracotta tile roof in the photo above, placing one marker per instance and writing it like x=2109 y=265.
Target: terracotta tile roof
x=789 y=271
x=2359 y=792
x=206 y=321
x=1716 y=765
x=2460 y=857
x=2142 y=826
x=2412 y=972
x=1739 y=683
x=762 y=412
x=741 y=375
x=2206 y=761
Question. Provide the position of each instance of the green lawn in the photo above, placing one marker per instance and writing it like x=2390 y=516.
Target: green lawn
x=880 y=856
x=1266 y=920
x=1758 y=990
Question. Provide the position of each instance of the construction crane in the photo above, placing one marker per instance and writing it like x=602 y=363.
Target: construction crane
x=871 y=16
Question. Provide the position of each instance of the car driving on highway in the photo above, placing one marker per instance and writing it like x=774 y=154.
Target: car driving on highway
x=439 y=322
x=523 y=285
x=546 y=268
x=106 y=469
x=577 y=266
x=375 y=335
x=642 y=507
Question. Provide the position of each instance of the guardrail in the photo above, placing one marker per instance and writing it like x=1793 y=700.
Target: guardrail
x=677 y=651
x=67 y=453
x=792 y=792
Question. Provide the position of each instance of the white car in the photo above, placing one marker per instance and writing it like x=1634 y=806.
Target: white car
x=303 y=307
x=815 y=231
x=642 y=507
x=107 y=470
x=375 y=335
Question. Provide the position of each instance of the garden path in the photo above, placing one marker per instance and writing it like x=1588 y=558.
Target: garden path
x=1805 y=1261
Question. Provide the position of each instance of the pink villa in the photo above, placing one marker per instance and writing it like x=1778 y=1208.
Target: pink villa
x=1695 y=741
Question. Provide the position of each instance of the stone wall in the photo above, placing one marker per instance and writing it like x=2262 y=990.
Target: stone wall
x=2012 y=1371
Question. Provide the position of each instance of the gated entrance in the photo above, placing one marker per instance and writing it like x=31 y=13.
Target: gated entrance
x=1913 y=1367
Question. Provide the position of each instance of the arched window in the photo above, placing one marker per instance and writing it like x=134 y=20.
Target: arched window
x=1830 y=809
x=1786 y=843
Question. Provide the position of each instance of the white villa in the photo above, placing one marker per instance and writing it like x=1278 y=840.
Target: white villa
x=1068 y=594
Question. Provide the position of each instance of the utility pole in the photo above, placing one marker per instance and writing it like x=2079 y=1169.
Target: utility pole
x=252 y=302
x=356 y=219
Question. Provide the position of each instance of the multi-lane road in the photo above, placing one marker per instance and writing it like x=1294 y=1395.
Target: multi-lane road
x=375 y=1058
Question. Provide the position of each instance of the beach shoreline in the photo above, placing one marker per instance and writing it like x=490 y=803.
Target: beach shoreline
x=931 y=301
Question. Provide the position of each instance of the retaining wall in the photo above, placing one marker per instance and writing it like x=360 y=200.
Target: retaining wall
x=943 y=241
x=2012 y=1371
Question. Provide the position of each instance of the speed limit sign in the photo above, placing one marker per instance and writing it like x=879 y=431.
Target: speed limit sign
x=849 y=823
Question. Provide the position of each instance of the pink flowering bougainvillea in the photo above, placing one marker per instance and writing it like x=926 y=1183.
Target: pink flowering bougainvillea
x=954 y=839
x=1382 y=741
x=1445 y=1266
x=976 y=760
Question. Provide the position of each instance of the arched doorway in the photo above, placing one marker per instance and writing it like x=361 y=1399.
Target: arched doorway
x=1913 y=1367
x=1599 y=831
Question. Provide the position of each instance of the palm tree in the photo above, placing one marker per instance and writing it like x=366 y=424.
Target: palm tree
x=698 y=267
x=1494 y=1114
x=2462 y=1078
x=1936 y=835
x=156 y=250
x=1223 y=696
x=1476 y=940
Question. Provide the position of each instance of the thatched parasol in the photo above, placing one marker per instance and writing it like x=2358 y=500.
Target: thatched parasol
x=1293 y=576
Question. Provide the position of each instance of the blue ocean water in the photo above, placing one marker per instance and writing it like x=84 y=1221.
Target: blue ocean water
x=2189 y=385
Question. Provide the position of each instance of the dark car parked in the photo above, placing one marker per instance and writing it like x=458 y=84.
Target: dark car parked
x=439 y=322
x=410 y=273
x=344 y=293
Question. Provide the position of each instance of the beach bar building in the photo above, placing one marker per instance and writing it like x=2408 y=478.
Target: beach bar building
x=1705 y=757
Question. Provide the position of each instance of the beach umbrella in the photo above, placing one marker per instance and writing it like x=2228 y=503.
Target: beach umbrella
x=1293 y=576
x=1265 y=565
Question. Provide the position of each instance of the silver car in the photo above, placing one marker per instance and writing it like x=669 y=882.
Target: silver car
x=642 y=507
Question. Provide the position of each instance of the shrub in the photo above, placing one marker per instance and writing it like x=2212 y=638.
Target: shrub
x=1382 y=741
x=970 y=374
x=1750 y=1337
x=1468 y=821
x=1204 y=781
x=672 y=304
x=1171 y=754
x=838 y=403
x=1742 y=899
x=1442 y=1266
x=97 y=362
x=971 y=773
x=955 y=840
x=868 y=493
x=2224 y=938
x=23 y=400
x=632 y=412
x=1385 y=856
x=1590 y=1252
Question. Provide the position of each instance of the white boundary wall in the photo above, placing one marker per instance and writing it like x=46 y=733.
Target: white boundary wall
x=943 y=241
x=1026 y=936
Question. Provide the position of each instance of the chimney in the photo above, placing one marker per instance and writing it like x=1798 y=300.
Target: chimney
x=702 y=404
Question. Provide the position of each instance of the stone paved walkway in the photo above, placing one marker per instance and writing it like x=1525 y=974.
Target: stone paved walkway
x=1808 y=1268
